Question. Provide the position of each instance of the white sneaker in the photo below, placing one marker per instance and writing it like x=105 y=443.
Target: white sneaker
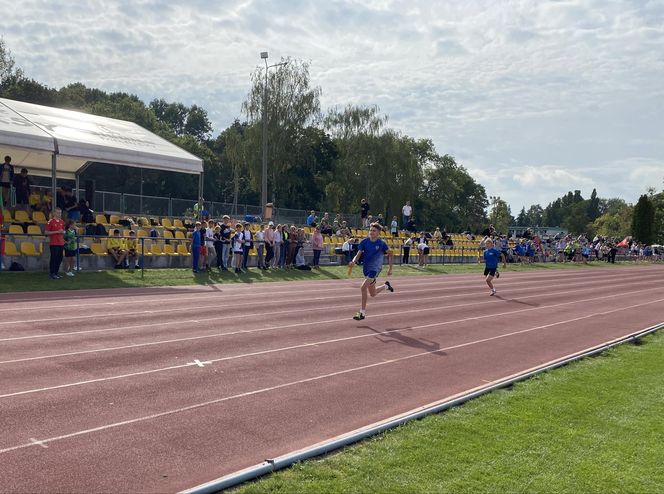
x=493 y=292
x=69 y=273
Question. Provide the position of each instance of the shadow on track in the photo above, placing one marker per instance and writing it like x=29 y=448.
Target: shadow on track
x=397 y=337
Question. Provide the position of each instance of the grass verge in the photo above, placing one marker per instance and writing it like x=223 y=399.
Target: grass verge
x=39 y=281
x=595 y=426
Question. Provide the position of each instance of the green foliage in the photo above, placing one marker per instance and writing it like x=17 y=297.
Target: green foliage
x=615 y=221
x=501 y=215
x=643 y=220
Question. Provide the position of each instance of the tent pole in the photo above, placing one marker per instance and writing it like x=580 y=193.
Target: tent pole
x=54 y=180
x=200 y=197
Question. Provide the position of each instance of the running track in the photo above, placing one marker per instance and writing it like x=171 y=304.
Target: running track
x=159 y=390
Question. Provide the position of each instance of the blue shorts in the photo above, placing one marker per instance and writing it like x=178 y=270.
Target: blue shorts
x=371 y=275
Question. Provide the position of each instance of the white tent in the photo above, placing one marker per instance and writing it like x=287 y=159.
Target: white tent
x=55 y=142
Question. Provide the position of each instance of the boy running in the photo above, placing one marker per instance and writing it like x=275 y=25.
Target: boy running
x=491 y=258
x=373 y=249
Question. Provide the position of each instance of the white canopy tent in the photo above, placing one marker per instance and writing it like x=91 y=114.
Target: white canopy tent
x=61 y=143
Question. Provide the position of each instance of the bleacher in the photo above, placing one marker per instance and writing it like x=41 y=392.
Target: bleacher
x=26 y=243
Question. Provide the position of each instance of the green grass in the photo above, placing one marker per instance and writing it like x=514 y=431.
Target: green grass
x=596 y=426
x=39 y=281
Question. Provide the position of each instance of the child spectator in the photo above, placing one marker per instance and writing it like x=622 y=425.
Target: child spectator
x=278 y=245
x=131 y=249
x=394 y=227
x=35 y=200
x=238 y=250
x=70 y=247
x=247 y=246
x=114 y=245
x=202 y=228
x=219 y=248
x=209 y=243
x=406 y=250
x=269 y=244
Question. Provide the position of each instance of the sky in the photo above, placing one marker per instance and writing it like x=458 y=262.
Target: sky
x=533 y=98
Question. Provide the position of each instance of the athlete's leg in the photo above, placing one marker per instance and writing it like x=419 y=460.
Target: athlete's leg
x=365 y=288
x=489 y=282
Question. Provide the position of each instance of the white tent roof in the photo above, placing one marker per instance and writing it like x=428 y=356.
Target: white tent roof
x=30 y=134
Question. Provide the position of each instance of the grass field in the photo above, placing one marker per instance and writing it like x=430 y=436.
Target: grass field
x=596 y=426
x=39 y=281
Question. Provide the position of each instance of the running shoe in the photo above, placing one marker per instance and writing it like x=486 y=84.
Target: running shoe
x=389 y=286
x=497 y=274
x=69 y=273
x=493 y=292
x=359 y=316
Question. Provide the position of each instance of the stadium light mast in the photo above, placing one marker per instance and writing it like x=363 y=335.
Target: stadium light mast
x=264 y=56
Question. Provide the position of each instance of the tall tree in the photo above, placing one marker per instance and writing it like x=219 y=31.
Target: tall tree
x=293 y=104
x=643 y=220
x=500 y=215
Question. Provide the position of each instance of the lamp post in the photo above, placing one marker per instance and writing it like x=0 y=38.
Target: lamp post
x=264 y=56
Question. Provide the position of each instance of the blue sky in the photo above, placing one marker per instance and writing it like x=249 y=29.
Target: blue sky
x=533 y=98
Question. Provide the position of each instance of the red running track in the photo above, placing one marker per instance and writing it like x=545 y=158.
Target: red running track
x=160 y=390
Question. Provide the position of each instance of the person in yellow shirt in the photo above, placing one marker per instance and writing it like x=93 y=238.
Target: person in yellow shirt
x=115 y=246
x=35 y=200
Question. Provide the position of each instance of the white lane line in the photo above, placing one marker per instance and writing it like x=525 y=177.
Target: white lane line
x=405 y=281
x=273 y=328
x=308 y=309
x=306 y=345
x=39 y=443
x=313 y=379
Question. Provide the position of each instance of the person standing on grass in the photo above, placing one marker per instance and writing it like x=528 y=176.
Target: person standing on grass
x=394 y=227
x=70 y=247
x=238 y=248
x=196 y=243
x=55 y=230
x=317 y=246
x=373 y=250
x=260 y=247
x=491 y=258
x=269 y=244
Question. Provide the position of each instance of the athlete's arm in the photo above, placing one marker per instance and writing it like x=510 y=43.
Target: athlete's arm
x=356 y=258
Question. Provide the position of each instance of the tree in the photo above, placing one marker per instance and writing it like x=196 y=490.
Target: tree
x=500 y=216
x=577 y=218
x=593 y=210
x=293 y=104
x=8 y=69
x=615 y=221
x=522 y=218
x=643 y=220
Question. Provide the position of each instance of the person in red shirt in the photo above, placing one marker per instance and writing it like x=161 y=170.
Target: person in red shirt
x=55 y=229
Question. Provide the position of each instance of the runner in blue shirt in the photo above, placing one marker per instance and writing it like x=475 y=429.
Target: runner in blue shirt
x=491 y=258
x=373 y=250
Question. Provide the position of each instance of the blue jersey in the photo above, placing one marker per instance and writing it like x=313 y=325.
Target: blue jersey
x=491 y=257
x=372 y=255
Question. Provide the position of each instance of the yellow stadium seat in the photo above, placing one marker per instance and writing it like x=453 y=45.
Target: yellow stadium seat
x=34 y=230
x=182 y=250
x=178 y=224
x=21 y=216
x=16 y=230
x=28 y=249
x=168 y=234
x=39 y=217
x=101 y=218
x=155 y=250
x=179 y=235
x=6 y=215
x=169 y=250
x=166 y=223
x=11 y=250
x=141 y=233
x=99 y=249
x=114 y=219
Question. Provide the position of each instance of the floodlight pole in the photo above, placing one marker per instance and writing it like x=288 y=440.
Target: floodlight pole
x=264 y=56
